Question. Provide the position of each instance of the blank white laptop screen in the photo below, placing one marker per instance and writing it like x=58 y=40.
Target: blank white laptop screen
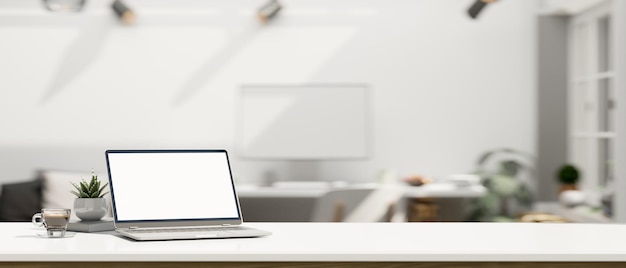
x=170 y=185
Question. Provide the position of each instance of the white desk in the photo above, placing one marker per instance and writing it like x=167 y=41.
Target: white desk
x=257 y=201
x=338 y=242
x=436 y=190
x=274 y=192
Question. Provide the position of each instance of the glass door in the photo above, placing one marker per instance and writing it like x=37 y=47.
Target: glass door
x=592 y=99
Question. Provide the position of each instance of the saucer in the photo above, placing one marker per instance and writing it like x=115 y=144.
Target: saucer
x=45 y=235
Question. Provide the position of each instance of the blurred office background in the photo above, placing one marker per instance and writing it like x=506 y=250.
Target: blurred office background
x=442 y=88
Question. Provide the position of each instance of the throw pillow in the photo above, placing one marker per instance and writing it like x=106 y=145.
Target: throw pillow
x=57 y=187
x=19 y=201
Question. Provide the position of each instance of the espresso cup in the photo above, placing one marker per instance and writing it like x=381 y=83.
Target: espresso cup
x=54 y=219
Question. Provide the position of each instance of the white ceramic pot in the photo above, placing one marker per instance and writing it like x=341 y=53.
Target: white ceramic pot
x=90 y=209
x=572 y=198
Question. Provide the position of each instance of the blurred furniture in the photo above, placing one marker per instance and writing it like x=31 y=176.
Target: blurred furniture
x=334 y=245
x=276 y=209
x=542 y=218
x=580 y=214
x=422 y=209
x=278 y=204
x=334 y=205
x=438 y=202
x=19 y=201
x=50 y=188
x=297 y=204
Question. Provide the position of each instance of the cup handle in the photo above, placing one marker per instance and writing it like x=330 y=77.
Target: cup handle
x=35 y=222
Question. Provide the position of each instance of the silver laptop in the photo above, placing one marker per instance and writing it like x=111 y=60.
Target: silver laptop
x=174 y=194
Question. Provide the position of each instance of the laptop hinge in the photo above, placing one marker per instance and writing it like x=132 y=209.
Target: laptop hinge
x=226 y=224
x=133 y=227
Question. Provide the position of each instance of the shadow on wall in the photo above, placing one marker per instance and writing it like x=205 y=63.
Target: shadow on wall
x=79 y=56
x=207 y=71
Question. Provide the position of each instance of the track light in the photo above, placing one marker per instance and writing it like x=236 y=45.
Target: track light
x=64 y=5
x=477 y=7
x=126 y=15
x=268 y=11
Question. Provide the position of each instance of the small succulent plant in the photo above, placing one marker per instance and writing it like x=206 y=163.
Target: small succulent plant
x=91 y=189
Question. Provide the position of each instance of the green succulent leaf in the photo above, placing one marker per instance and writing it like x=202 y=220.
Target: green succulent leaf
x=91 y=189
x=100 y=194
x=84 y=187
x=75 y=193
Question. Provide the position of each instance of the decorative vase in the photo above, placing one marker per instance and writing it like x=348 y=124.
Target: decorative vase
x=572 y=198
x=90 y=209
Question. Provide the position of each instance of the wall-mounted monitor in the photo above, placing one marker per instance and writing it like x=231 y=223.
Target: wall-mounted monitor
x=304 y=122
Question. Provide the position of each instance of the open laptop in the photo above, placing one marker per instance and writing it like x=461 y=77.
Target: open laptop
x=174 y=194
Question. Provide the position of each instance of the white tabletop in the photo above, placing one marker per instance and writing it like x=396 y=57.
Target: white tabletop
x=249 y=191
x=435 y=190
x=339 y=242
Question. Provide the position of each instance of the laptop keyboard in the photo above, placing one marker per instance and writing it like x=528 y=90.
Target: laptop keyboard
x=195 y=229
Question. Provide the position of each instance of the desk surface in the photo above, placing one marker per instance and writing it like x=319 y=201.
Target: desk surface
x=436 y=190
x=346 y=242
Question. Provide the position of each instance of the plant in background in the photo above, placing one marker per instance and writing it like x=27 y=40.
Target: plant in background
x=507 y=193
x=568 y=176
x=91 y=189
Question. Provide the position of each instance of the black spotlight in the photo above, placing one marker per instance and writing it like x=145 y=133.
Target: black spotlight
x=126 y=15
x=268 y=11
x=64 y=5
x=477 y=7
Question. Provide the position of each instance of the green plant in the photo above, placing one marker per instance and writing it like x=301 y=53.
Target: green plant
x=91 y=189
x=568 y=174
x=507 y=193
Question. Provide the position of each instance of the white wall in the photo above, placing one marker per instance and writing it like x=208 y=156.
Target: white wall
x=445 y=88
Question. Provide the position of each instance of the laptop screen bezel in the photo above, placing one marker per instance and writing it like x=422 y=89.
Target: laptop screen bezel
x=171 y=222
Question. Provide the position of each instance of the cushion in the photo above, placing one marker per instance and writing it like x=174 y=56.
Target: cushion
x=57 y=187
x=19 y=201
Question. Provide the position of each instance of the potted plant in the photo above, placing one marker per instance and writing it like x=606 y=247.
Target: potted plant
x=508 y=194
x=90 y=204
x=568 y=176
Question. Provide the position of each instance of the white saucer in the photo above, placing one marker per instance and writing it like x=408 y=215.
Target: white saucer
x=45 y=235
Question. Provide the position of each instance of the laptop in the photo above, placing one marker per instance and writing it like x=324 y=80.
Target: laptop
x=174 y=194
